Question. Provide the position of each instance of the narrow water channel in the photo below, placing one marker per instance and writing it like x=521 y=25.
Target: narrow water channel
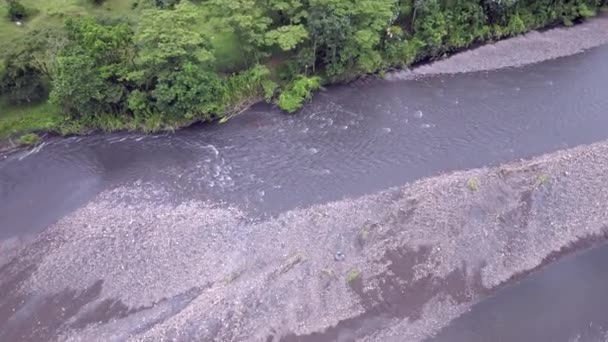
x=564 y=301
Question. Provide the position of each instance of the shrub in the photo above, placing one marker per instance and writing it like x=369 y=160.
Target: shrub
x=300 y=90
x=22 y=84
x=164 y=3
x=16 y=10
x=353 y=276
x=269 y=87
x=432 y=28
x=191 y=92
x=29 y=139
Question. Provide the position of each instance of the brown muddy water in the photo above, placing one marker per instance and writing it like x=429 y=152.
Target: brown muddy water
x=275 y=227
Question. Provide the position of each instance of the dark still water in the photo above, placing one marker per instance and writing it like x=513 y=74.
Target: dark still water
x=350 y=140
x=565 y=301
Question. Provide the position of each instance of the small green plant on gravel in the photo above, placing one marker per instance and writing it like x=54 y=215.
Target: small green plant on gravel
x=364 y=234
x=328 y=272
x=232 y=277
x=353 y=275
x=363 y=237
x=29 y=139
x=542 y=180
x=473 y=184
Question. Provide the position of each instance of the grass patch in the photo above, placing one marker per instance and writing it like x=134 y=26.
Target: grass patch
x=8 y=29
x=29 y=139
x=27 y=119
x=52 y=13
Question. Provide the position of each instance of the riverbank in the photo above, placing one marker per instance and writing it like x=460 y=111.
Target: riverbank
x=294 y=90
x=529 y=48
x=398 y=263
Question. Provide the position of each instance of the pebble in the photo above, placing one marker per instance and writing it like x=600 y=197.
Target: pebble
x=339 y=256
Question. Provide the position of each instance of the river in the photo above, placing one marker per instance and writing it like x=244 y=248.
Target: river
x=350 y=141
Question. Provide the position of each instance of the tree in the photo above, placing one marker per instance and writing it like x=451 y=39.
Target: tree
x=432 y=27
x=329 y=26
x=173 y=72
x=247 y=19
x=287 y=37
x=29 y=65
x=285 y=12
x=466 y=23
x=166 y=39
x=371 y=20
x=22 y=83
x=91 y=69
x=188 y=92
x=38 y=49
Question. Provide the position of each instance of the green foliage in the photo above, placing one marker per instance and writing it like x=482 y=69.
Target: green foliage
x=172 y=72
x=37 y=49
x=27 y=118
x=585 y=11
x=159 y=64
x=90 y=69
x=286 y=37
x=162 y=3
x=432 y=27
x=329 y=26
x=29 y=65
x=466 y=24
x=402 y=52
x=270 y=88
x=22 y=84
x=16 y=10
x=248 y=86
x=248 y=20
x=166 y=39
x=299 y=91
x=29 y=139
x=190 y=91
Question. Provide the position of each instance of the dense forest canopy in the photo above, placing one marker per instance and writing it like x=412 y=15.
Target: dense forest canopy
x=165 y=63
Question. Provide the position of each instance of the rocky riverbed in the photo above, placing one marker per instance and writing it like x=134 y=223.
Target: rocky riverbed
x=141 y=260
x=395 y=265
